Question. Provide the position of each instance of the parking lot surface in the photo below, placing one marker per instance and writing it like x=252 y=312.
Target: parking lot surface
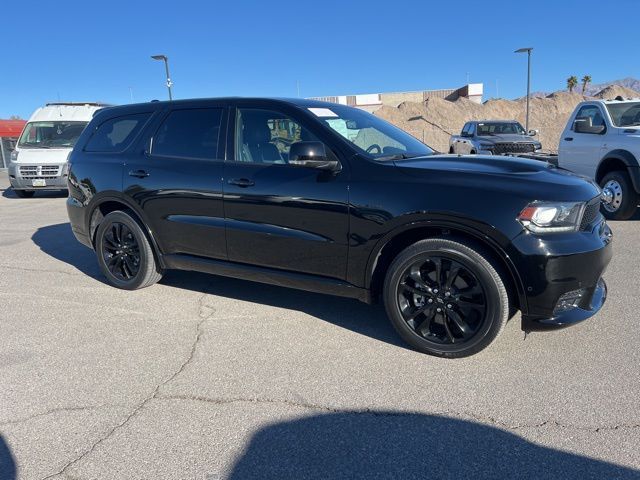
x=204 y=377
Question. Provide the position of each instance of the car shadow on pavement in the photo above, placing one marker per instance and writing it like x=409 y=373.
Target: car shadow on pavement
x=7 y=463
x=369 y=320
x=8 y=192
x=383 y=444
x=59 y=242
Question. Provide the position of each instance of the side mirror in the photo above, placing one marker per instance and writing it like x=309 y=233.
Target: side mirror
x=581 y=125
x=532 y=133
x=311 y=155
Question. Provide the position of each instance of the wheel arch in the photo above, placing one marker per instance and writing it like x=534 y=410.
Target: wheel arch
x=392 y=244
x=106 y=204
x=619 y=160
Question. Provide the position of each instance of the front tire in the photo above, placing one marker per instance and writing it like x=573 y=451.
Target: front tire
x=24 y=193
x=124 y=253
x=624 y=200
x=445 y=298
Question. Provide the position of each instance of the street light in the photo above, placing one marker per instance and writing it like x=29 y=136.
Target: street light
x=166 y=67
x=528 y=51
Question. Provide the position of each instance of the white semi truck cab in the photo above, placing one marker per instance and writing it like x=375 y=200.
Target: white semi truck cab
x=39 y=161
x=602 y=141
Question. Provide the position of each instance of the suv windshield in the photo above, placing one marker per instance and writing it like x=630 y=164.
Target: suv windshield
x=625 y=114
x=371 y=135
x=500 y=128
x=51 y=134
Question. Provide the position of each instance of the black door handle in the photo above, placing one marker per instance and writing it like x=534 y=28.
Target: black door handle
x=241 y=182
x=569 y=139
x=138 y=173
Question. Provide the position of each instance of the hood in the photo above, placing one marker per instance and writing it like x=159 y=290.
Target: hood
x=531 y=179
x=506 y=137
x=43 y=156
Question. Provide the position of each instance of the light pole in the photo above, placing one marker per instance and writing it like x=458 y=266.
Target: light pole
x=166 y=67
x=528 y=51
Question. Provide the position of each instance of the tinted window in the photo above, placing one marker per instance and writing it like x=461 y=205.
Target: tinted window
x=465 y=129
x=592 y=114
x=265 y=136
x=116 y=134
x=625 y=114
x=498 y=128
x=191 y=133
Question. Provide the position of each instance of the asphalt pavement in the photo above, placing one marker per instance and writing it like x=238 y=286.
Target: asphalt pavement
x=204 y=377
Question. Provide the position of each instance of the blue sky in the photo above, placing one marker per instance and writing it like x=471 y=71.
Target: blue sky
x=78 y=51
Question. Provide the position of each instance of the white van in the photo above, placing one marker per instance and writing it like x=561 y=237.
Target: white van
x=39 y=161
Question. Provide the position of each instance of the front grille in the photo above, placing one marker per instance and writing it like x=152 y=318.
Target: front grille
x=512 y=147
x=45 y=172
x=591 y=212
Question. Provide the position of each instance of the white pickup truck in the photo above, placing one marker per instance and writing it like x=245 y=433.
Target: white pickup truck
x=602 y=141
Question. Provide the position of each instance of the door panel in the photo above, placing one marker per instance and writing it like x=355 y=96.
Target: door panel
x=292 y=218
x=279 y=215
x=181 y=195
x=581 y=152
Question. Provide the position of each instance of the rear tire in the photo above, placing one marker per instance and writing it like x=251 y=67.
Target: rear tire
x=625 y=198
x=461 y=301
x=24 y=193
x=124 y=253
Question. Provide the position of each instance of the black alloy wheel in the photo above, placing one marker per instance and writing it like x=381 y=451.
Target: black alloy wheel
x=445 y=297
x=124 y=252
x=121 y=252
x=442 y=300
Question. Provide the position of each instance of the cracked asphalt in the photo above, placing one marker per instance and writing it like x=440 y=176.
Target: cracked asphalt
x=203 y=377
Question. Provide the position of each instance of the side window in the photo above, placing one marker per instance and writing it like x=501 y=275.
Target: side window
x=265 y=136
x=465 y=129
x=470 y=129
x=117 y=133
x=189 y=133
x=592 y=114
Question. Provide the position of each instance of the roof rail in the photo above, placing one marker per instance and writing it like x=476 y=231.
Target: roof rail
x=90 y=104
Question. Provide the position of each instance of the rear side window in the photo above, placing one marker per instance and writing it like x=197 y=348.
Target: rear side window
x=117 y=133
x=189 y=133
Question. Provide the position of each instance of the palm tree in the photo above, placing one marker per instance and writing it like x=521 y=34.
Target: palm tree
x=572 y=82
x=586 y=80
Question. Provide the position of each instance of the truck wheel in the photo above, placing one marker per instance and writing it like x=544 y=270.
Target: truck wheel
x=24 y=193
x=451 y=150
x=445 y=298
x=623 y=198
x=124 y=253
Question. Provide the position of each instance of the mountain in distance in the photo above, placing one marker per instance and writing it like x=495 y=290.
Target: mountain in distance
x=629 y=82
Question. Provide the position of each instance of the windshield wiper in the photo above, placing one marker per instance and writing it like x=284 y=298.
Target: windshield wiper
x=33 y=145
x=397 y=156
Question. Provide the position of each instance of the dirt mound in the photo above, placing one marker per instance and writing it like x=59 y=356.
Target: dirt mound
x=436 y=119
x=613 y=91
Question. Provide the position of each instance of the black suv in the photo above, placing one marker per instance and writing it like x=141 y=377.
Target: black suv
x=332 y=199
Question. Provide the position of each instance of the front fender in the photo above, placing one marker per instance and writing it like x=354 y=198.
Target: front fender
x=482 y=232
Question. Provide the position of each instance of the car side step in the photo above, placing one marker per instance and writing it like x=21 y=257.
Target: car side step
x=282 y=278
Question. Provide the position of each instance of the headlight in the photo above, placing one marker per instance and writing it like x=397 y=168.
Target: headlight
x=551 y=217
x=14 y=156
x=486 y=146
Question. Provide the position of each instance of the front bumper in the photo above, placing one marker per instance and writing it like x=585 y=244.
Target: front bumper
x=592 y=305
x=23 y=176
x=557 y=265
